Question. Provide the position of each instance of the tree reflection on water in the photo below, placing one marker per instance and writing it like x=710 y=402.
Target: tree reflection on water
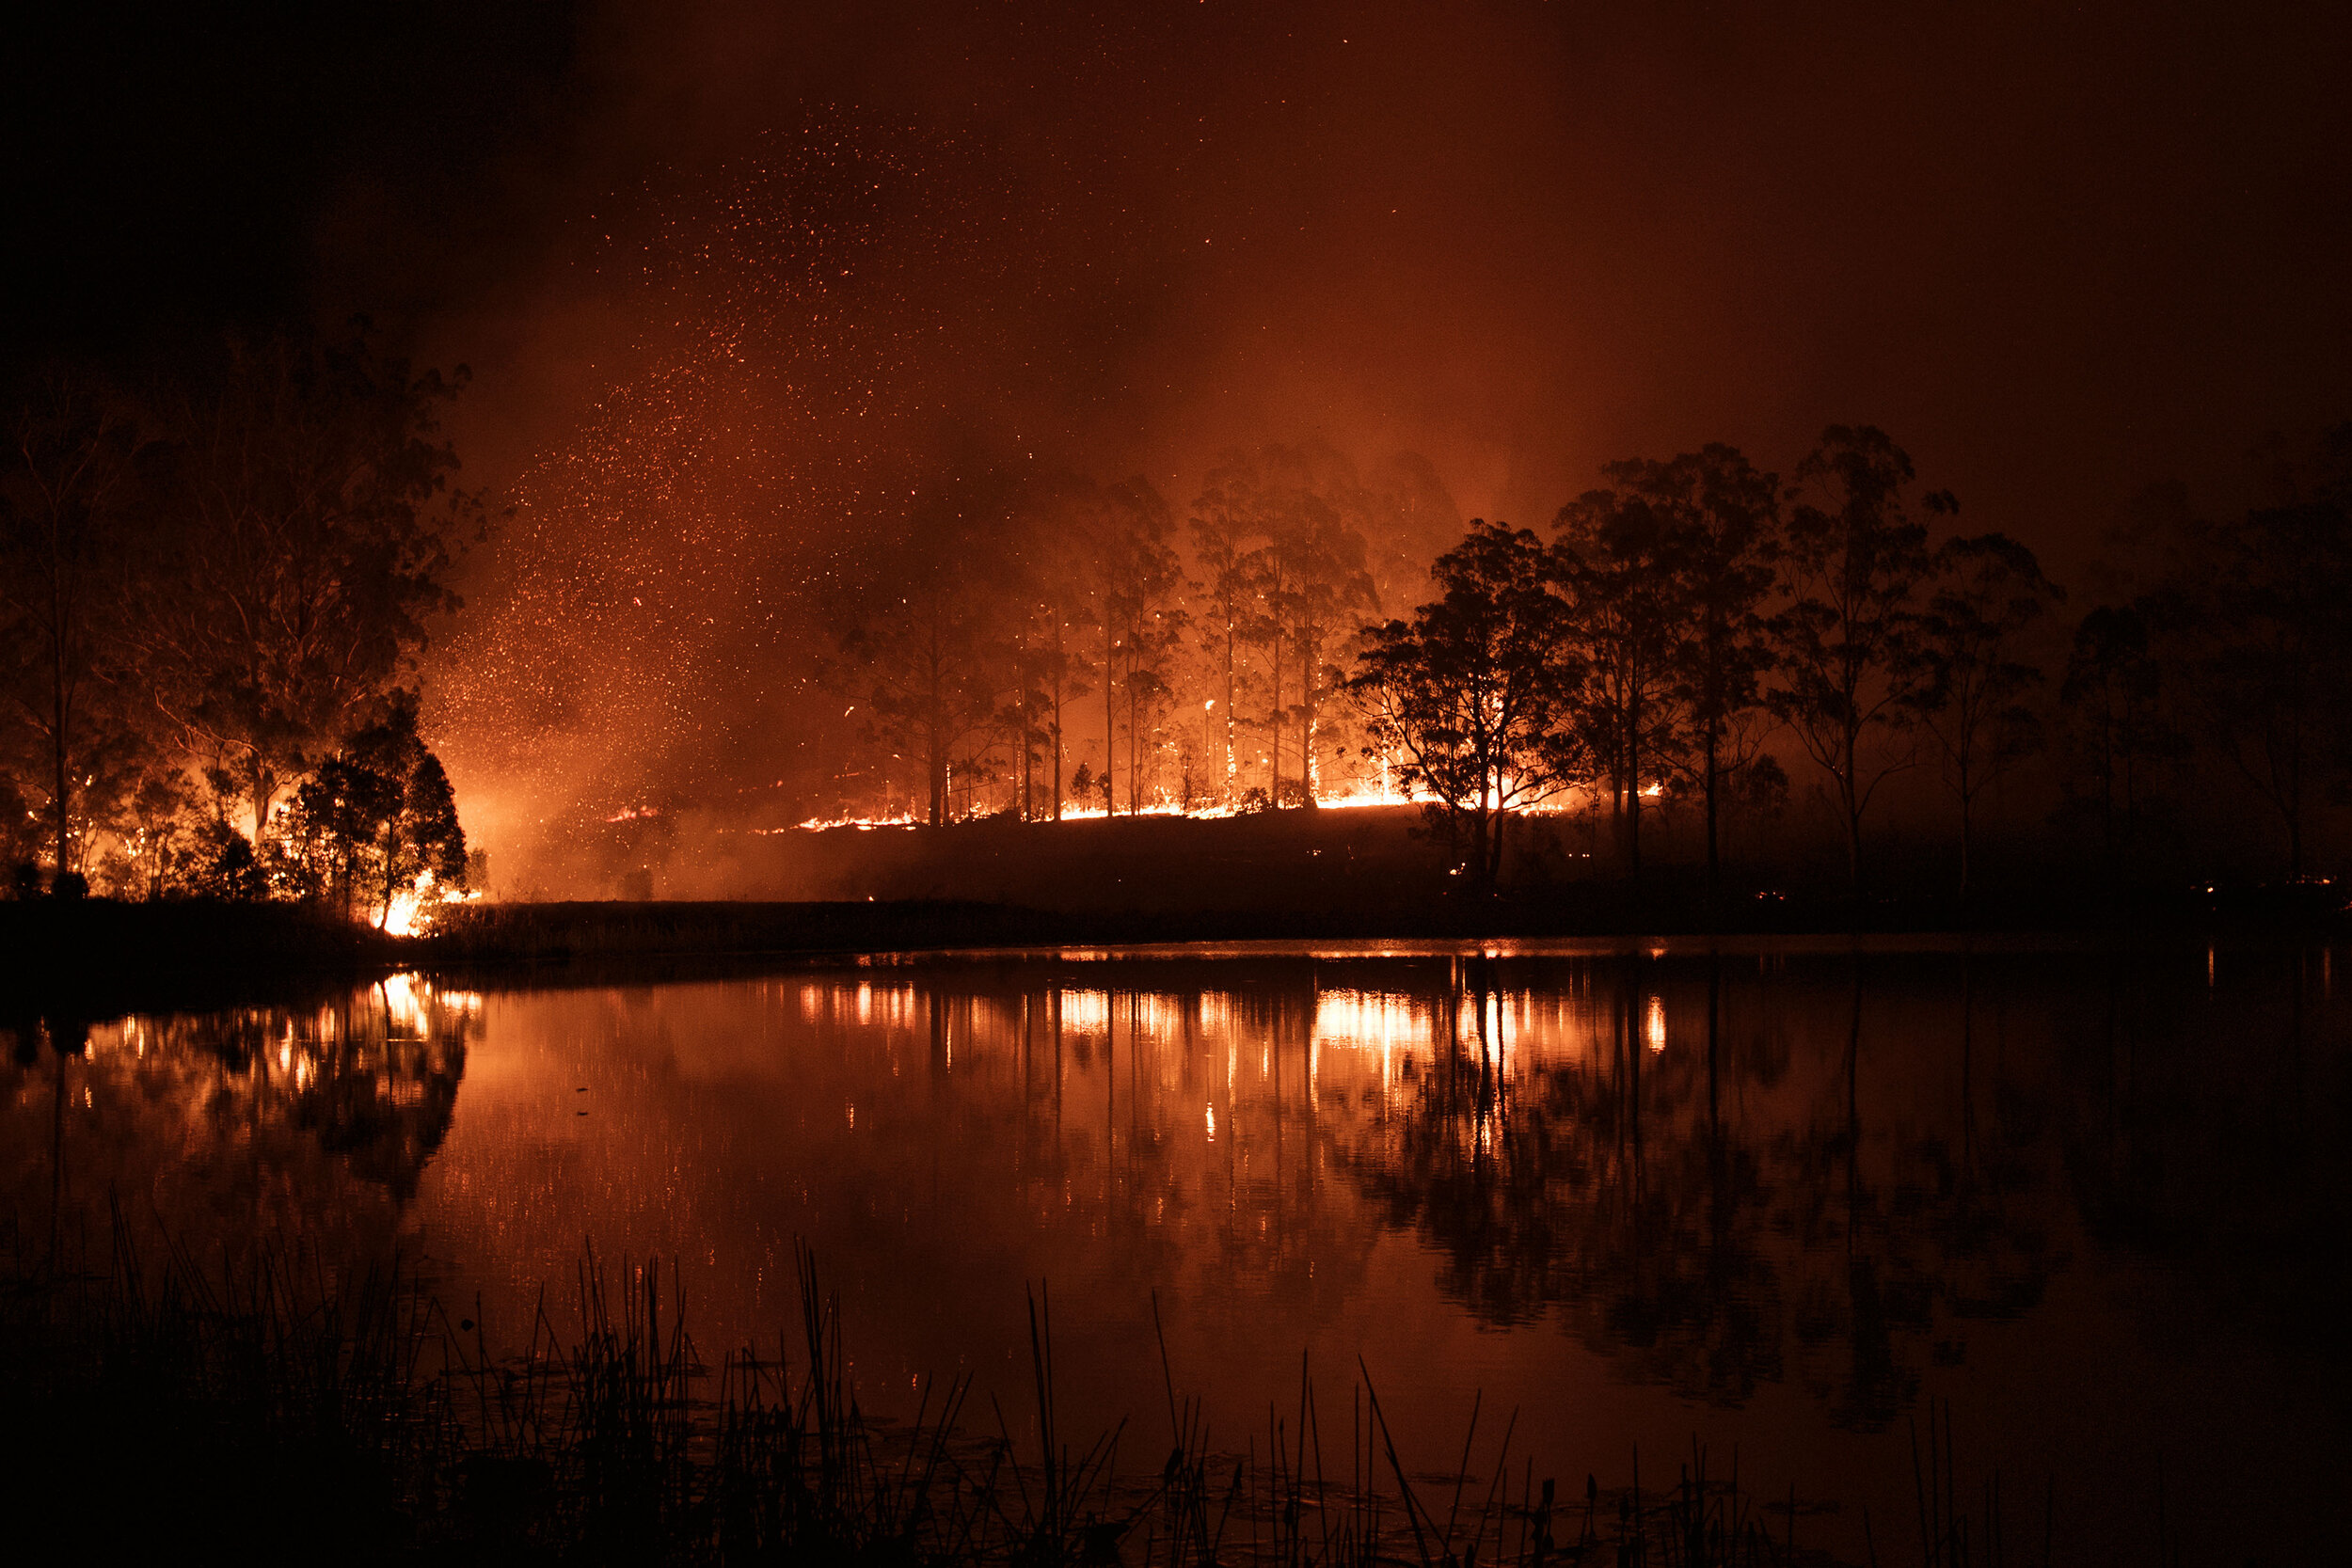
x=299 y=1128
x=1718 y=1175
x=1678 y=1203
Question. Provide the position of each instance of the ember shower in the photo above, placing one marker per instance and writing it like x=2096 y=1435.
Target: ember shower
x=847 y=356
x=820 y=324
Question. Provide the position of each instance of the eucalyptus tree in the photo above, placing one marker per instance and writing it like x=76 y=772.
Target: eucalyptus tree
x=2257 y=621
x=1279 y=531
x=1849 y=643
x=1618 y=561
x=1475 y=692
x=70 y=570
x=378 y=817
x=2112 y=697
x=925 y=627
x=1711 y=530
x=1137 y=583
x=1222 y=527
x=1990 y=593
x=316 y=533
x=1060 y=575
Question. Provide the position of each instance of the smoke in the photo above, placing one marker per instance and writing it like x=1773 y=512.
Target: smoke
x=753 y=283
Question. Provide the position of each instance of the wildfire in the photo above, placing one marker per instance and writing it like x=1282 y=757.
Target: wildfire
x=413 y=908
x=1383 y=792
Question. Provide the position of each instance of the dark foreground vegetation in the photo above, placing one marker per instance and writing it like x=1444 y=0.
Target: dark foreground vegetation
x=293 y=1411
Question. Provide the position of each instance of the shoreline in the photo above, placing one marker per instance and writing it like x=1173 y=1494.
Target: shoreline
x=100 y=954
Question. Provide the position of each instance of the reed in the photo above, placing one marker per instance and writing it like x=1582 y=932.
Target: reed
x=289 y=1408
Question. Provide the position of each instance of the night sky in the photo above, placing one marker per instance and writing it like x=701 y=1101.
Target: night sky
x=732 y=276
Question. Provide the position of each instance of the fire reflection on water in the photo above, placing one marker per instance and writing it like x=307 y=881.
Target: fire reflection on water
x=1573 y=1177
x=297 y=1131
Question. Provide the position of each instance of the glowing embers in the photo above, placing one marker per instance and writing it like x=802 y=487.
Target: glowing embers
x=1654 y=1024
x=821 y=824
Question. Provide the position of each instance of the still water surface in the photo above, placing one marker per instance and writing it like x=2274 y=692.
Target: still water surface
x=1776 y=1199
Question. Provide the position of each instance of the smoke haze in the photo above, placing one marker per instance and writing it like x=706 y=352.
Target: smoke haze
x=743 y=286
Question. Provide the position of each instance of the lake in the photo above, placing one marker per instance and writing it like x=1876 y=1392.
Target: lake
x=2087 y=1207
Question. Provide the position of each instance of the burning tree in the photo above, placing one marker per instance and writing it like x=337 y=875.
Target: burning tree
x=377 y=824
x=1136 y=580
x=316 y=534
x=1053 y=606
x=1281 y=533
x=937 y=629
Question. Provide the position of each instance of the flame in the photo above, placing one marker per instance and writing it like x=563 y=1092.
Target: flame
x=413 y=908
x=1384 y=792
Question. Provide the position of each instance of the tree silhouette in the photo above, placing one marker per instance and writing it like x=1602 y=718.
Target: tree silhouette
x=1991 y=593
x=1279 y=531
x=379 y=816
x=2258 y=620
x=1220 y=528
x=2112 y=695
x=1618 y=561
x=67 y=577
x=1475 y=691
x=924 y=634
x=1709 y=523
x=318 y=532
x=1142 y=625
x=1849 y=640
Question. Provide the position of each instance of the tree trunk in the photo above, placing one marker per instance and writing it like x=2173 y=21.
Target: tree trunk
x=1966 y=836
x=1275 y=752
x=1494 y=865
x=935 y=751
x=58 y=736
x=1714 y=863
x=391 y=862
x=264 y=788
x=1110 y=720
x=1060 y=667
x=1849 y=791
x=1633 y=787
x=1228 y=710
x=1028 y=796
x=1307 y=647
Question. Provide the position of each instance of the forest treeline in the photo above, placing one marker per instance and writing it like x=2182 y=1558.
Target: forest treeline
x=1697 y=638
x=212 y=586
